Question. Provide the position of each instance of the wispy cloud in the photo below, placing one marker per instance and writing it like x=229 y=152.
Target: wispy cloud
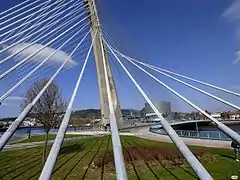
x=232 y=15
x=15 y=98
x=58 y=57
x=235 y=88
x=237 y=60
x=7 y=104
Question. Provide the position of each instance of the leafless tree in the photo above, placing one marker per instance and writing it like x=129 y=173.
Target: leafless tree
x=49 y=108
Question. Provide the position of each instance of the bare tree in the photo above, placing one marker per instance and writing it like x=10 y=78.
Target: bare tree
x=49 y=108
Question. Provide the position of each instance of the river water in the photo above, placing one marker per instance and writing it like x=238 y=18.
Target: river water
x=235 y=127
x=23 y=133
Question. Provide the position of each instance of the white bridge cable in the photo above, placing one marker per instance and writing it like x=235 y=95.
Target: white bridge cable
x=45 y=36
x=120 y=167
x=39 y=65
x=31 y=64
x=229 y=132
x=113 y=44
x=193 y=87
x=55 y=15
x=24 y=12
x=25 y=17
x=85 y=25
x=180 y=81
x=10 y=34
x=41 y=73
x=47 y=72
x=19 y=9
x=188 y=155
x=52 y=157
x=109 y=38
x=55 y=33
x=24 y=69
x=83 y=48
x=11 y=130
x=180 y=75
x=200 y=82
x=28 y=67
x=40 y=49
x=189 y=78
x=44 y=14
x=117 y=146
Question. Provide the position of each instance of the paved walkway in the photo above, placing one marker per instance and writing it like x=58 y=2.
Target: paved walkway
x=97 y=133
x=139 y=132
x=50 y=142
x=18 y=146
x=146 y=134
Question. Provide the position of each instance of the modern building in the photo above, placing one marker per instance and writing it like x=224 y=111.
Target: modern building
x=163 y=107
x=131 y=117
x=216 y=115
x=152 y=118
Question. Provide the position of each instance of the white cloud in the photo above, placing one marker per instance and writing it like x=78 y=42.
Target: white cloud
x=7 y=104
x=58 y=57
x=235 y=88
x=232 y=14
x=15 y=98
x=237 y=60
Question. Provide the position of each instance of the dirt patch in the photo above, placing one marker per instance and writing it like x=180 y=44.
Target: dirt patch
x=153 y=155
x=71 y=149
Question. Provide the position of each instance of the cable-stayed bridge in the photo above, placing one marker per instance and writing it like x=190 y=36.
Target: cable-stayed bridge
x=35 y=36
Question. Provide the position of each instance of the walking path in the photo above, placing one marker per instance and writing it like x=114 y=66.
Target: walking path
x=39 y=143
x=146 y=134
x=89 y=134
x=139 y=132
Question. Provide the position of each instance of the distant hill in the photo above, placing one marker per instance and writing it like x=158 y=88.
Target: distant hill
x=96 y=113
x=8 y=119
x=88 y=113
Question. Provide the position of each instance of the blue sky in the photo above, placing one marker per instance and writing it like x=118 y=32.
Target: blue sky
x=195 y=38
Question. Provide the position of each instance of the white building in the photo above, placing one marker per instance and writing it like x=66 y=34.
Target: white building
x=163 y=107
x=152 y=117
x=28 y=123
x=216 y=116
x=234 y=115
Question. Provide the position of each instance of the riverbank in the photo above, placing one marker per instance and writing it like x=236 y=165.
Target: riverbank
x=39 y=141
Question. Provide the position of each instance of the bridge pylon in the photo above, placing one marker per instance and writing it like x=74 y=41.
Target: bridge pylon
x=101 y=54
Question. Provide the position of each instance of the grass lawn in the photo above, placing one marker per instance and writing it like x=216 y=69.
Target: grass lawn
x=92 y=159
x=42 y=138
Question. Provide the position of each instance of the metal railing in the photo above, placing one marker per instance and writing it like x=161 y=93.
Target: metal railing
x=212 y=135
